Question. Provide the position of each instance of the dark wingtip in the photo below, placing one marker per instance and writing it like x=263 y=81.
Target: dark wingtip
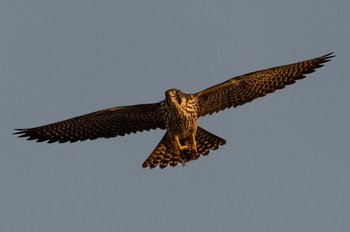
x=319 y=62
x=20 y=132
x=25 y=133
x=328 y=57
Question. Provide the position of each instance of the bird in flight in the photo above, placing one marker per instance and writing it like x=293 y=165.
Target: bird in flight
x=178 y=113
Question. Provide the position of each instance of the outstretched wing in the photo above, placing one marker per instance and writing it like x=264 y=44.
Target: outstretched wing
x=242 y=89
x=107 y=123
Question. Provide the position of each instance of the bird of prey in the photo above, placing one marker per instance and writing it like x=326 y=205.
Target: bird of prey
x=184 y=140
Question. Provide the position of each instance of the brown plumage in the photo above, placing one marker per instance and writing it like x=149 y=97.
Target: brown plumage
x=184 y=140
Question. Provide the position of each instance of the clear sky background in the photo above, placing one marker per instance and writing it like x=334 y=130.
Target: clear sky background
x=286 y=164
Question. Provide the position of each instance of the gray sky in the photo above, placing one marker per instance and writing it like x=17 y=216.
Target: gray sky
x=285 y=166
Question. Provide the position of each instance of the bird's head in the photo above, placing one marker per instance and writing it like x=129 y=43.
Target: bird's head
x=174 y=97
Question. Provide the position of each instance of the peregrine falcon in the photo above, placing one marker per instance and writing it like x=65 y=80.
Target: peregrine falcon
x=184 y=140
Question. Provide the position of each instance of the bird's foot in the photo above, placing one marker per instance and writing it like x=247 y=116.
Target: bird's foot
x=182 y=148
x=190 y=153
x=179 y=145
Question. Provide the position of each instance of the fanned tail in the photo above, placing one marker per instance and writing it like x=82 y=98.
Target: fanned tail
x=163 y=155
x=207 y=141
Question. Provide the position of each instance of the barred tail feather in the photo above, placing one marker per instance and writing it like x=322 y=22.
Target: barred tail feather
x=163 y=156
x=207 y=141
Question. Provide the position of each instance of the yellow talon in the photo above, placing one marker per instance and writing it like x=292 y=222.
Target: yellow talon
x=179 y=144
x=194 y=142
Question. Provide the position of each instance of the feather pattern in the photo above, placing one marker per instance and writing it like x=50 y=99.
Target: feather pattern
x=245 y=88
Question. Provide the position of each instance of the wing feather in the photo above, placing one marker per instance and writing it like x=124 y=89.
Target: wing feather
x=112 y=122
x=245 y=88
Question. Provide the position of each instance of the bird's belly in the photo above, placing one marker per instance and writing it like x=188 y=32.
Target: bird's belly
x=182 y=126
